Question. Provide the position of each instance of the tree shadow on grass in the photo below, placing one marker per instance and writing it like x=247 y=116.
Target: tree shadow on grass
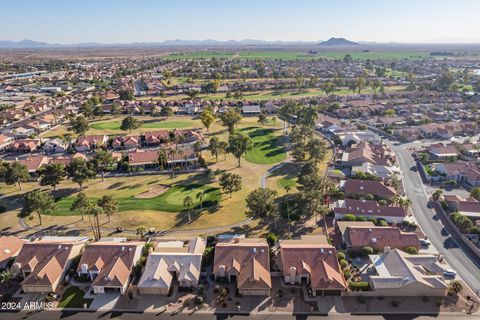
x=288 y=170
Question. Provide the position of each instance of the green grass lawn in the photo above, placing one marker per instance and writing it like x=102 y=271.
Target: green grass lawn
x=283 y=182
x=73 y=298
x=267 y=149
x=170 y=201
x=149 y=124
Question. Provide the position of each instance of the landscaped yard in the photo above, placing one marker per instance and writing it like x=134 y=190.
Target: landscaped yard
x=73 y=298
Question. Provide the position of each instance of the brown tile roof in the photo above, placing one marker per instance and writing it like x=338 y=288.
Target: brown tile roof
x=380 y=237
x=45 y=260
x=249 y=258
x=311 y=256
x=364 y=187
x=9 y=247
x=143 y=157
x=112 y=260
x=34 y=162
x=367 y=208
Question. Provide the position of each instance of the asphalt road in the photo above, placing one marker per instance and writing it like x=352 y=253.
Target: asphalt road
x=467 y=266
x=57 y=315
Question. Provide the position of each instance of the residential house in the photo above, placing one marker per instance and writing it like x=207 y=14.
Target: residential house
x=400 y=274
x=463 y=172
x=87 y=143
x=246 y=262
x=369 y=209
x=25 y=145
x=126 y=142
x=469 y=207
x=5 y=141
x=442 y=152
x=10 y=246
x=251 y=110
x=366 y=234
x=155 y=138
x=55 y=145
x=34 y=162
x=359 y=187
x=313 y=260
x=171 y=261
x=43 y=264
x=108 y=264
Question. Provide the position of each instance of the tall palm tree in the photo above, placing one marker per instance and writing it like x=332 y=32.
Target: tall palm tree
x=287 y=190
x=201 y=196
x=188 y=204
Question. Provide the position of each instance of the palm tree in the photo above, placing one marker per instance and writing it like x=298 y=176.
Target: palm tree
x=201 y=195
x=172 y=153
x=287 y=190
x=6 y=276
x=188 y=204
x=405 y=203
x=397 y=200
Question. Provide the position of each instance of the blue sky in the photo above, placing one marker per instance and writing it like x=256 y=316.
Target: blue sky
x=113 y=21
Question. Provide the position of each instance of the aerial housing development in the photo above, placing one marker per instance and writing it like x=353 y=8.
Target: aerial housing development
x=243 y=178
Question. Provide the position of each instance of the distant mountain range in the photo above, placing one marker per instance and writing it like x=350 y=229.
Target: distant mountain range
x=31 y=44
x=338 y=42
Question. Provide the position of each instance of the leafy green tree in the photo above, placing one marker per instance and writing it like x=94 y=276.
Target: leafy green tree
x=347 y=58
x=52 y=174
x=80 y=171
x=130 y=123
x=214 y=147
x=230 y=119
x=360 y=84
x=15 y=173
x=126 y=94
x=262 y=118
x=87 y=109
x=37 y=202
x=167 y=111
x=261 y=203
x=475 y=193
x=238 y=145
x=230 y=182
x=207 y=118
x=108 y=204
x=79 y=125
x=102 y=160
x=79 y=202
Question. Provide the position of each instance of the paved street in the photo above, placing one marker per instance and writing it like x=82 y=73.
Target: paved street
x=56 y=315
x=466 y=266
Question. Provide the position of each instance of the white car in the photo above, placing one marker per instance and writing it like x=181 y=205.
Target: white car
x=450 y=273
x=425 y=242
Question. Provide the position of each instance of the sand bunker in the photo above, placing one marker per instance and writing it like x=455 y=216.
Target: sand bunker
x=152 y=192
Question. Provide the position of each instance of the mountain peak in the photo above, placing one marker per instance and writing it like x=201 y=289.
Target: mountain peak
x=338 y=42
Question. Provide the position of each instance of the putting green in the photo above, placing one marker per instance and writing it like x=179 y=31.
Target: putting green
x=170 y=201
x=149 y=124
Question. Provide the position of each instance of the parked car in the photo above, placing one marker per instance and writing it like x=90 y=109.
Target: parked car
x=425 y=242
x=450 y=273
